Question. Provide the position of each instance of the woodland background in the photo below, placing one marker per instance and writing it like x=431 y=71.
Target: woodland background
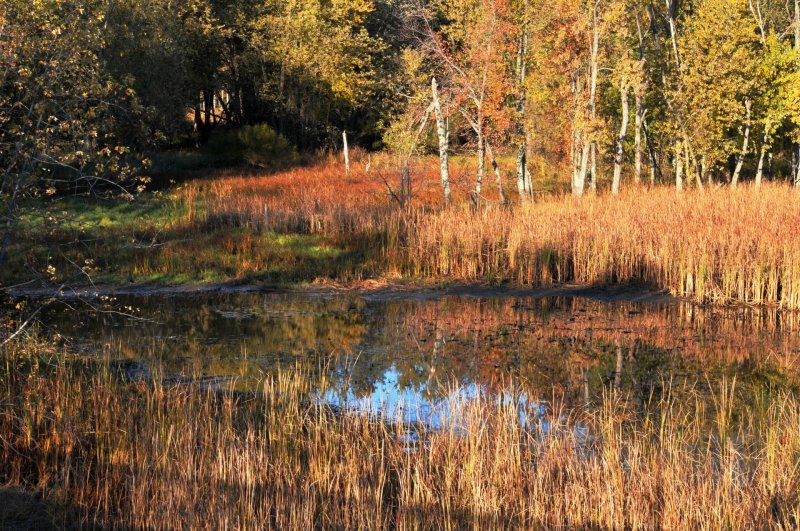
x=676 y=91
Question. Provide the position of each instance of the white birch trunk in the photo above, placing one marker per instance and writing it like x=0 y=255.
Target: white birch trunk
x=678 y=166
x=579 y=184
x=796 y=157
x=523 y=179
x=528 y=177
x=637 y=137
x=619 y=152
x=673 y=31
x=762 y=155
x=441 y=129
x=593 y=91
x=481 y=166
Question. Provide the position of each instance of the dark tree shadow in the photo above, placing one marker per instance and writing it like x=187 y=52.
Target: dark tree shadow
x=22 y=510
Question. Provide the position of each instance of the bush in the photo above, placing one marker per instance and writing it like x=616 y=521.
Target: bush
x=262 y=146
x=257 y=145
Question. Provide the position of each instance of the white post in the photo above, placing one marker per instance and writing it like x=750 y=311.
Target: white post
x=346 y=154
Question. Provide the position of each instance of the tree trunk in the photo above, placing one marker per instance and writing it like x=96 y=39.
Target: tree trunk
x=796 y=157
x=671 y=13
x=198 y=120
x=584 y=145
x=405 y=178
x=671 y=5
x=761 y=156
x=691 y=166
x=441 y=129
x=637 y=136
x=346 y=152
x=405 y=182
x=740 y=161
x=582 y=159
x=240 y=117
x=593 y=90
x=481 y=165
x=576 y=165
x=593 y=166
x=619 y=152
x=678 y=166
x=208 y=103
x=497 y=175
x=655 y=167
x=579 y=147
x=528 y=177
x=701 y=174
x=523 y=179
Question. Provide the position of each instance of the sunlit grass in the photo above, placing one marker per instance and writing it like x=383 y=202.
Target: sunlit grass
x=311 y=223
x=717 y=245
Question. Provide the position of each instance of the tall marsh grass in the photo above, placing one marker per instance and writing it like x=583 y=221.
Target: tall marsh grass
x=720 y=245
x=714 y=245
x=148 y=455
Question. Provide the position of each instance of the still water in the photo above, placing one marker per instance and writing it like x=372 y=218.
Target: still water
x=414 y=355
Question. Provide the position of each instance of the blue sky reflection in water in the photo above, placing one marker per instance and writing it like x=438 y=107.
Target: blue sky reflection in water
x=440 y=410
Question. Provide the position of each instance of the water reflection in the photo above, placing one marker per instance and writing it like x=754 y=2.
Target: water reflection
x=445 y=410
x=402 y=357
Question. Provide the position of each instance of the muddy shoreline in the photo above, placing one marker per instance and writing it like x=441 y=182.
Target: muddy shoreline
x=370 y=290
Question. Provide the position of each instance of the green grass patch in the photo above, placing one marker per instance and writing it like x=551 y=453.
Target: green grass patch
x=155 y=239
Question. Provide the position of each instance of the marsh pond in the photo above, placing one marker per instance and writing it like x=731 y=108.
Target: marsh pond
x=412 y=354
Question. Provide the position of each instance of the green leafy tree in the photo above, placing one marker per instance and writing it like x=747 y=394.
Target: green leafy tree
x=63 y=117
x=720 y=65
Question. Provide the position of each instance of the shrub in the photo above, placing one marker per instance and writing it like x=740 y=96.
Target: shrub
x=263 y=147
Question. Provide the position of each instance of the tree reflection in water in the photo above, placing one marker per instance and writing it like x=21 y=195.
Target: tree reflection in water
x=387 y=354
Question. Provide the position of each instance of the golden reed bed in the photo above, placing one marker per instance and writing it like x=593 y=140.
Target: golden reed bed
x=713 y=245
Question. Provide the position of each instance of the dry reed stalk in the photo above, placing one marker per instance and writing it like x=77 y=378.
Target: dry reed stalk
x=152 y=455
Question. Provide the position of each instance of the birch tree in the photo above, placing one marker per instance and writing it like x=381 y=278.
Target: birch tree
x=471 y=46
x=524 y=182
x=624 y=52
x=443 y=136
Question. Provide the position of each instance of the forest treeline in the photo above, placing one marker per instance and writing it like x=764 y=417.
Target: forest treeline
x=689 y=92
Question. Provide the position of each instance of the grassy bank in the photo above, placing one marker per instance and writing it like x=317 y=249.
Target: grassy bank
x=311 y=223
x=139 y=455
x=718 y=245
